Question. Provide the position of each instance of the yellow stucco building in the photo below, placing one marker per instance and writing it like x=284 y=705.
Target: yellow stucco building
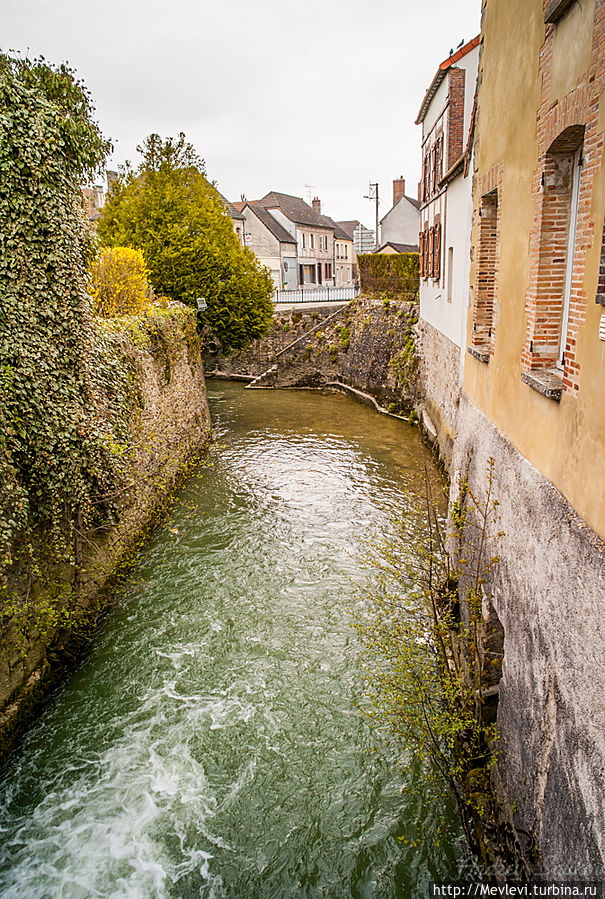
x=532 y=401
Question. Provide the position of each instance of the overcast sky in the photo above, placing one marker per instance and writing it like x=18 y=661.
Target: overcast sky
x=312 y=96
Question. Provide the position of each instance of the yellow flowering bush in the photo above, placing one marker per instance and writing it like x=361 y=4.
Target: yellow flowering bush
x=119 y=282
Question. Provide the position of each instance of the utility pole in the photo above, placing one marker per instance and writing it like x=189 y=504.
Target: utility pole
x=373 y=195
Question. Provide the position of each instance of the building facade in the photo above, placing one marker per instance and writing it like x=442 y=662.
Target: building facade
x=275 y=247
x=313 y=234
x=447 y=118
x=401 y=223
x=531 y=402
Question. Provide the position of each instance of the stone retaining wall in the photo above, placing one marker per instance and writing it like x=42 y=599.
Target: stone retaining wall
x=368 y=345
x=168 y=426
x=549 y=596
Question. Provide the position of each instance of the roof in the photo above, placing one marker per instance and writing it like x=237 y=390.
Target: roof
x=293 y=208
x=339 y=233
x=231 y=209
x=399 y=247
x=415 y=204
x=441 y=73
x=349 y=227
x=271 y=224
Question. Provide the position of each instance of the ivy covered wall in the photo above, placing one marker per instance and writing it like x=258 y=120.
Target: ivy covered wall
x=97 y=416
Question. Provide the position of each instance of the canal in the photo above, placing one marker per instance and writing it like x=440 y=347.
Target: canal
x=210 y=743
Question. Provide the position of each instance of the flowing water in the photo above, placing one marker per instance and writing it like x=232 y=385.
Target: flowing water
x=211 y=744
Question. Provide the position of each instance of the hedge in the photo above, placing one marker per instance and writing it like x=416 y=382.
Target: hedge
x=395 y=274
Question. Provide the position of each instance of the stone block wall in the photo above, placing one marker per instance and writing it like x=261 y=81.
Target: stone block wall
x=440 y=385
x=549 y=595
x=367 y=344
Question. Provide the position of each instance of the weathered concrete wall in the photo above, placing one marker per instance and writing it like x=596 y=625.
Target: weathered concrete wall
x=367 y=345
x=549 y=594
x=441 y=386
x=168 y=424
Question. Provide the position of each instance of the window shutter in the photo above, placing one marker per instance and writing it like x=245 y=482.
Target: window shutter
x=437 y=252
x=421 y=254
x=430 y=254
x=425 y=267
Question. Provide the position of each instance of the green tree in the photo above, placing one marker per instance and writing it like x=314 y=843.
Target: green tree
x=169 y=210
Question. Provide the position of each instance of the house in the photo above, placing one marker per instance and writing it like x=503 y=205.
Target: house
x=446 y=115
x=313 y=234
x=401 y=223
x=275 y=247
x=530 y=425
x=344 y=255
x=391 y=248
x=349 y=228
x=234 y=211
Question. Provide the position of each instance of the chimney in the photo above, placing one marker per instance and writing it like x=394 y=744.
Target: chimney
x=317 y=205
x=398 y=188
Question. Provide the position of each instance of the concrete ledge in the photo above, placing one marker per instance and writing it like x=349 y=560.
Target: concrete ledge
x=229 y=376
x=545 y=382
x=481 y=355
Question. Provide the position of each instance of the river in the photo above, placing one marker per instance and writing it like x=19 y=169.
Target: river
x=210 y=743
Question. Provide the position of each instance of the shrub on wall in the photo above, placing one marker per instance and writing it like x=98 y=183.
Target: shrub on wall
x=395 y=274
x=118 y=282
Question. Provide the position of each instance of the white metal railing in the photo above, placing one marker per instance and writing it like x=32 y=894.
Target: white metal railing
x=316 y=295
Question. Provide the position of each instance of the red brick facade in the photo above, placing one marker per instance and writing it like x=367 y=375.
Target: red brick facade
x=562 y=128
x=455 y=115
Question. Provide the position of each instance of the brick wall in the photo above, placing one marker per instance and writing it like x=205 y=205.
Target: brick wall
x=485 y=287
x=562 y=126
x=455 y=115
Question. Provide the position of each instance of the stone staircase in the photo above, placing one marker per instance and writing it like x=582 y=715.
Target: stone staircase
x=270 y=377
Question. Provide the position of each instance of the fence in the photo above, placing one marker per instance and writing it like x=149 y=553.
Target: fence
x=316 y=295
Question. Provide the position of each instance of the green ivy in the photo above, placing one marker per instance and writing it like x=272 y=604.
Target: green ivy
x=55 y=464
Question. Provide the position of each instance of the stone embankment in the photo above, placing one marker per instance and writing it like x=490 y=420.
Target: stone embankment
x=160 y=390
x=366 y=348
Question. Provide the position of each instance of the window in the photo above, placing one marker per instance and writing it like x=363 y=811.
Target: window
x=421 y=254
x=303 y=240
x=437 y=251
x=425 y=252
x=312 y=241
x=431 y=253
x=439 y=160
x=450 y=273
x=552 y=293
x=576 y=171
x=485 y=277
x=346 y=251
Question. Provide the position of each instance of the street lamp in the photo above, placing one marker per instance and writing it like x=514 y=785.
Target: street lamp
x=202 y=305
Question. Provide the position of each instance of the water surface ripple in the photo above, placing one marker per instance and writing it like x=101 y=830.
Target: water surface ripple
x=210 y=744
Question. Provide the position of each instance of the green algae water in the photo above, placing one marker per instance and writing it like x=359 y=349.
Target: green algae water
x=211 y=743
